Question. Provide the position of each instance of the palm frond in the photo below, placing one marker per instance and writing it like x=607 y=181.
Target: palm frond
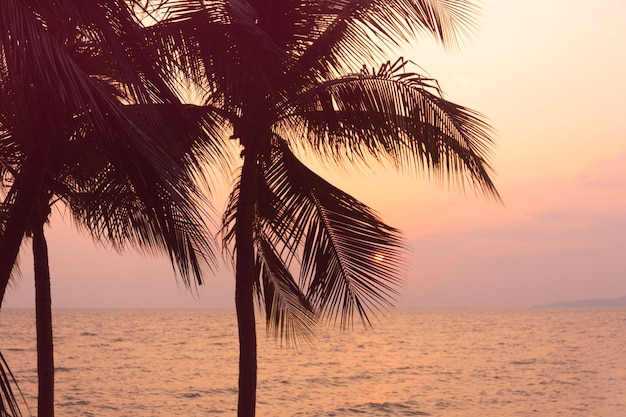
x=220 y=46
x=150 y=219
x=351 y=261
x=288 y=313
x=350 y=32
x=5 y=209
x=130 y=203
x=9 y=406
x=10 y=159
x=70 y=85
x=399 y=117
x=44 y=63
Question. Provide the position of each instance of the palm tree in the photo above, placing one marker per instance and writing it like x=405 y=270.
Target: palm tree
x=76 y=80
x=89 y=120
x=294 y=77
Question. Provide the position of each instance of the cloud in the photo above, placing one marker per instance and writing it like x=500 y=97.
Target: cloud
x=606 y=175
x=553 y=256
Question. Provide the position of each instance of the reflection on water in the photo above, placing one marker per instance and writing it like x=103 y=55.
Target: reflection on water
x=437 y=363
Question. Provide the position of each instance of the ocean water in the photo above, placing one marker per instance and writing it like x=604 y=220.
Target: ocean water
x=452 y=363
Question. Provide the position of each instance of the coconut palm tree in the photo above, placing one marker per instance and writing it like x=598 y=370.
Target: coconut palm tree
x=81 y=71
x=104 y=201
x=88 y=119
x=297 y=77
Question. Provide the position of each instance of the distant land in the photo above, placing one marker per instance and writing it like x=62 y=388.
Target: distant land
x=598 y=303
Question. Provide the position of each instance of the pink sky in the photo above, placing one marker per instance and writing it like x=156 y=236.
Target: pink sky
x=549 y=75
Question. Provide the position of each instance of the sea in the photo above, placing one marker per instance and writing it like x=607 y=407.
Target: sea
x=449 y=363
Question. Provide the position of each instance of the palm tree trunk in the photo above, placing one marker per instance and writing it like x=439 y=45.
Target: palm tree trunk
x=43 y=311
x=244 y=286
x=29 y=185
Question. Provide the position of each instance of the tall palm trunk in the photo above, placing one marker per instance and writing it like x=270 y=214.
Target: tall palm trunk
x=43 y=311
x=29 y=184
x=244 y=286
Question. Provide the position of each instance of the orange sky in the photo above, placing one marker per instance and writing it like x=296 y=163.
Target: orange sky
x=549 y=75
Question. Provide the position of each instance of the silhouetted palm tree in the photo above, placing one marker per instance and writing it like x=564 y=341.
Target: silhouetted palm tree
x=89 y=119
x=293 y=77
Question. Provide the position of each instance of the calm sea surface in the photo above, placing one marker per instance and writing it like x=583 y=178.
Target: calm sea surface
x=144 y=363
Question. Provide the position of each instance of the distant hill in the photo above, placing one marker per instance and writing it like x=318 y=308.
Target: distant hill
x=593 y=303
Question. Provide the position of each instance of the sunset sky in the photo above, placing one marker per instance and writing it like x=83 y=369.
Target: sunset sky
x=549 y=75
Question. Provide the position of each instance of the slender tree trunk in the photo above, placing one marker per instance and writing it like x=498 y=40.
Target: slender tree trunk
x=43 y=311
x=29 y=185
x=244 y=300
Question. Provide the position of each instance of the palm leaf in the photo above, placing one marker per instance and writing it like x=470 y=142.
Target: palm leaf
x=349 y=32
x=9 y=407
x=338 y=238
x=54 y=104
x=225 y=52
x=398 y=117
x=288 y=313
x=10 y=159
x=130 y=204
x=5 y=205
